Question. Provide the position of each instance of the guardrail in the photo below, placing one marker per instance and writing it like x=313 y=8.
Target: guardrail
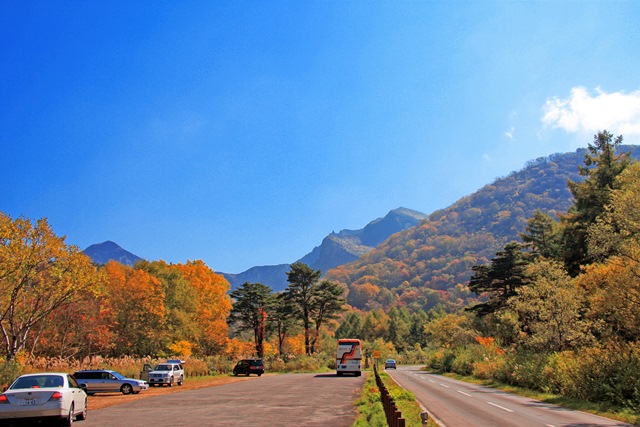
x=394 y=417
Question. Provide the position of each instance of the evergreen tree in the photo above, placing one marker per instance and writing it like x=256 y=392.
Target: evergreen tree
x=302 y=280
x=351 y=327
x=314 y=301
x=499 y=280
x=327 y=303
x=253 y=302
x=282 y=319
x=601 y=167
x=542 y=236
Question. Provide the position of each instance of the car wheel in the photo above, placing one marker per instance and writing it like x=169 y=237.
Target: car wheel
x=82 y=415
x=171 y=382
x=235 y=373
x=180 y=380
x=259 y=374
x=68 y=420
x=126 y=389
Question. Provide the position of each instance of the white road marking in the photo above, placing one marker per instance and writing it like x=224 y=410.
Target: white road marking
x=501 y=407
x=550 y=425
x=444 y=385
x=462 y=392
x=432 y=381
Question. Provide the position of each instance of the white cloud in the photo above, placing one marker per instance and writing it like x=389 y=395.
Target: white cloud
x=617 y=112
x=510 y=134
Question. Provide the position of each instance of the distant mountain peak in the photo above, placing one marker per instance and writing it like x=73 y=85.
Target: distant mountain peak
x=336 y=248
x=102 y=253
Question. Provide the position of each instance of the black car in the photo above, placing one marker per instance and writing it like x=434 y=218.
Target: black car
x=248 y=367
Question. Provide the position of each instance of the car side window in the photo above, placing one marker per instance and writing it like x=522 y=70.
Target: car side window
x=72 y=382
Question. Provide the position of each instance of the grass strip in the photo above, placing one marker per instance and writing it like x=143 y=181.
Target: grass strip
x=370 y=407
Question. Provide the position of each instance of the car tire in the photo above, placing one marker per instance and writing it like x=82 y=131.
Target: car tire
x=171 y=382
x=259 y=375
x=68 y=420
x=82 y=415
x=126 y=389
x=180 y=380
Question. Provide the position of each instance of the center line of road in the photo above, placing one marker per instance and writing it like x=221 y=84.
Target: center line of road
x=501 y=407
x=444 y=385
x=462 y=392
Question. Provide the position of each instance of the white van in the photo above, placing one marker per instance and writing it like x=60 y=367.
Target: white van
x=349 y=357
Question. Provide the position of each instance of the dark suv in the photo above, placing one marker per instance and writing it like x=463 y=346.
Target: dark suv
x=248 y=367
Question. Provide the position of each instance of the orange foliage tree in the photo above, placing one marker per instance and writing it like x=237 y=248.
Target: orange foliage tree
x=137 y=302
x=212 y=305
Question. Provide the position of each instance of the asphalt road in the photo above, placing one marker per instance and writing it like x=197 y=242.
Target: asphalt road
x=459 y=404
x=270 y=400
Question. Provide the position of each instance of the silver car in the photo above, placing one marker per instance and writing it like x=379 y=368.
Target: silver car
x=107 y=381
x=52 y=396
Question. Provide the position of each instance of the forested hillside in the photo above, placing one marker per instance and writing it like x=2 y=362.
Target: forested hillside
x=430 y=263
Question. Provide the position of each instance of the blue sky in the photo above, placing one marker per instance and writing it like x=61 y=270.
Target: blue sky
x=241 y=133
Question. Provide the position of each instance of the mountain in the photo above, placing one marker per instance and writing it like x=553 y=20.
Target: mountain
x=102 y=253
x=336 y=249
x=431 y=263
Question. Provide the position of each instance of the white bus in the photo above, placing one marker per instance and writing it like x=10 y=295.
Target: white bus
x=349 y=357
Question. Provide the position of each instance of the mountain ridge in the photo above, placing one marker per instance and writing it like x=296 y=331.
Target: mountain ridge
x=336 y=249
x=102 y=253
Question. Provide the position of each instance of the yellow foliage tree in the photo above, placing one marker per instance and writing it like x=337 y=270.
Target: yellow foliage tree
x=39 y=273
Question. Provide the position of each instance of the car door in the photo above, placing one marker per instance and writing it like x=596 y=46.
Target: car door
x=176 y=373
x=78 y=394
x=111 y=383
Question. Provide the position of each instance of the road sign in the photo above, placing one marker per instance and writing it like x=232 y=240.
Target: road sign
x=376 y=354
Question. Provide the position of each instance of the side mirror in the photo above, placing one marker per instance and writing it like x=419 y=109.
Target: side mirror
x=83 y=386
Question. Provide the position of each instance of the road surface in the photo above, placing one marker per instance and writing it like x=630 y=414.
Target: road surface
x=459 y=404
x=270 y=400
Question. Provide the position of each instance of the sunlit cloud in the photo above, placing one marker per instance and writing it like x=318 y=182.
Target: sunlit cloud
x=617 y=112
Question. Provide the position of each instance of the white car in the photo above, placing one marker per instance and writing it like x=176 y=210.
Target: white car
x=45 y=396
x=167 y=373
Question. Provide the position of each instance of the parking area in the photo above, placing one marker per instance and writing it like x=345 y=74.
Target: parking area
x=283 y=400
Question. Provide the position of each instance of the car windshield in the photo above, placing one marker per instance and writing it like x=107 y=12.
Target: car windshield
x=38 y=381
x=163 y=368
x=118 y=375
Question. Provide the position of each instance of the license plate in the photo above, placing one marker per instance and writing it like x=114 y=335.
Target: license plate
x=29 y=402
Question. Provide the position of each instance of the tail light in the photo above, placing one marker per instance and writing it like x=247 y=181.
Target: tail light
x=56 y=396
x=3 y=399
